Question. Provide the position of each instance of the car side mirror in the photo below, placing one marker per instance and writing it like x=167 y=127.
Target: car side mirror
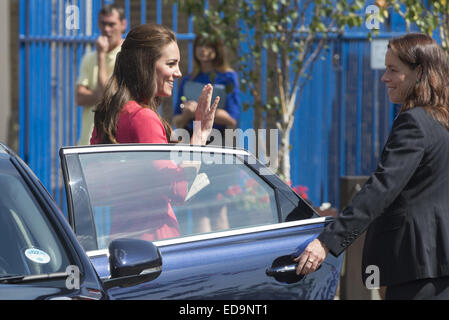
x=132 y=262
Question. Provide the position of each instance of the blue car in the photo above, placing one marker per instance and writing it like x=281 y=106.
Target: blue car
x=166 y=222
x=238 y=225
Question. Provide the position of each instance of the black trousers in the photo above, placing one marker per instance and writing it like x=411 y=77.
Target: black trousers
x=423 y=289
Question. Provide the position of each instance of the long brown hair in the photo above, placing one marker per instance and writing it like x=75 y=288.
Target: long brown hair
x=431 y=91
x=134 y=78
x=220 y=63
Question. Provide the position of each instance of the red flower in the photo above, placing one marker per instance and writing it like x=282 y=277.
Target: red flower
x=250 y=183
x=234 y=190
x=301 y=190
x=238 y=190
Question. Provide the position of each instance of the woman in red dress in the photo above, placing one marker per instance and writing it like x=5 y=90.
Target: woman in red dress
x=145 y=71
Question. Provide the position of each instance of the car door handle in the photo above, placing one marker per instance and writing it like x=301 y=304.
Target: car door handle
x=281 y=270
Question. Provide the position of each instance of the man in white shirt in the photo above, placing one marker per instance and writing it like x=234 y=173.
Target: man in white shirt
x=97 y=66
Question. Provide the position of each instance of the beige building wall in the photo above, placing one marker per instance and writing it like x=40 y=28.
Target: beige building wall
x=5 y=64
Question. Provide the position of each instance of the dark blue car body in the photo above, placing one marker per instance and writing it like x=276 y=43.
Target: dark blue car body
x=31 y=221
x=90 y=284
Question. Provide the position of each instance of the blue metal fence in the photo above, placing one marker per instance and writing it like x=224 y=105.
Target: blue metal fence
x=342 y=121
x=50 y=56
x=341 y=125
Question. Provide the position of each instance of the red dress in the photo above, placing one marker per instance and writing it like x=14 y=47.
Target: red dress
x=142 y=125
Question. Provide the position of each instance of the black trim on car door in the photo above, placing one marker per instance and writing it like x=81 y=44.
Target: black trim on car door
x=78 y=200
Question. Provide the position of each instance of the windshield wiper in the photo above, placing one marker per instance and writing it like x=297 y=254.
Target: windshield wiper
x=5 y=279
x=17 y=278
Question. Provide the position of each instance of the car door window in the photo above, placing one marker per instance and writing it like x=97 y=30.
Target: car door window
x=155 y=195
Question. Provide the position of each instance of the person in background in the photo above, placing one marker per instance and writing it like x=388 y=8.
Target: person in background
x=210 y=66
x=404 y=206
x=97 y=66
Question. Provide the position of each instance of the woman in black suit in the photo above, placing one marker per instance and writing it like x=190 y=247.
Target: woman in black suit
x=405 y=203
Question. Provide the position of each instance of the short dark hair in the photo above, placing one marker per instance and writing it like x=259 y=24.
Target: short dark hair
x=108 y=9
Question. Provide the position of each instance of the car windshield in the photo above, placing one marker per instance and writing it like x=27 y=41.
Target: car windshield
x=156 y=195
x=28 y=243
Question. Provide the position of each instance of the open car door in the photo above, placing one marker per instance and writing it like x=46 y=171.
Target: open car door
x=226 y=227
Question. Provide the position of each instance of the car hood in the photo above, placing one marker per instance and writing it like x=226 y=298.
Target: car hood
x=30 y=292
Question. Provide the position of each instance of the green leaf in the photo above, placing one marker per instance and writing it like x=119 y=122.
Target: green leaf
x=360 y=4
x=339 y=6
x=294 y=15
x=265 y=43
x=321 y=27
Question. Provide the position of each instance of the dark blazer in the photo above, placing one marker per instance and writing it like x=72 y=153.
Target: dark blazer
x=404 y=205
